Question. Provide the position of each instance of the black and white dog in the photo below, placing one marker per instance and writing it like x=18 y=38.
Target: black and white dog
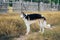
x=31 y=18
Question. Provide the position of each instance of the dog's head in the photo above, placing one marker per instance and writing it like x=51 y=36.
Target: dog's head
x=23 y=15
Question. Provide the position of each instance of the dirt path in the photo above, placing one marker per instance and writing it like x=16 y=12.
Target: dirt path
x=21 y=38
x=25 y=37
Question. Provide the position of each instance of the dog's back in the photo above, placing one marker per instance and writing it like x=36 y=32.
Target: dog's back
x=34 y=16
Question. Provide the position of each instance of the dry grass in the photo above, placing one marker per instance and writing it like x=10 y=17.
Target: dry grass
x=12 y=25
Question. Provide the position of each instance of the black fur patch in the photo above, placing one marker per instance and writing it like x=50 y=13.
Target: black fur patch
x=34 y=17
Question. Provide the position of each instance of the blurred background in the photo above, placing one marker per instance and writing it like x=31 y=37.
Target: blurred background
x=29 y=5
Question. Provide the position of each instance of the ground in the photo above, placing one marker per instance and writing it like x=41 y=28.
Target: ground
x=12 y=24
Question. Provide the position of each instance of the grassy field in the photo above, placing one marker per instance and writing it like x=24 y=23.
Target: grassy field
x=11 y=25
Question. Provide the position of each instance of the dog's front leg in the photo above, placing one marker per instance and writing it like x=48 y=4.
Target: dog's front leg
x=28 y=28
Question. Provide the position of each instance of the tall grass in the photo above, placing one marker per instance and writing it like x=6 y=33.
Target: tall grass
x=11 y=25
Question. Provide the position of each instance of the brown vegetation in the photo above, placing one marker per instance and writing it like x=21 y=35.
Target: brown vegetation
x=13 y=25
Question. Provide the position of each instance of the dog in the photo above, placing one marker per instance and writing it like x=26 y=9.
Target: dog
x=32 y=18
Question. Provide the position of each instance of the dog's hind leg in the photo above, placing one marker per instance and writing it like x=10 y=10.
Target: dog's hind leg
x=44 y=23
x=41 y=26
